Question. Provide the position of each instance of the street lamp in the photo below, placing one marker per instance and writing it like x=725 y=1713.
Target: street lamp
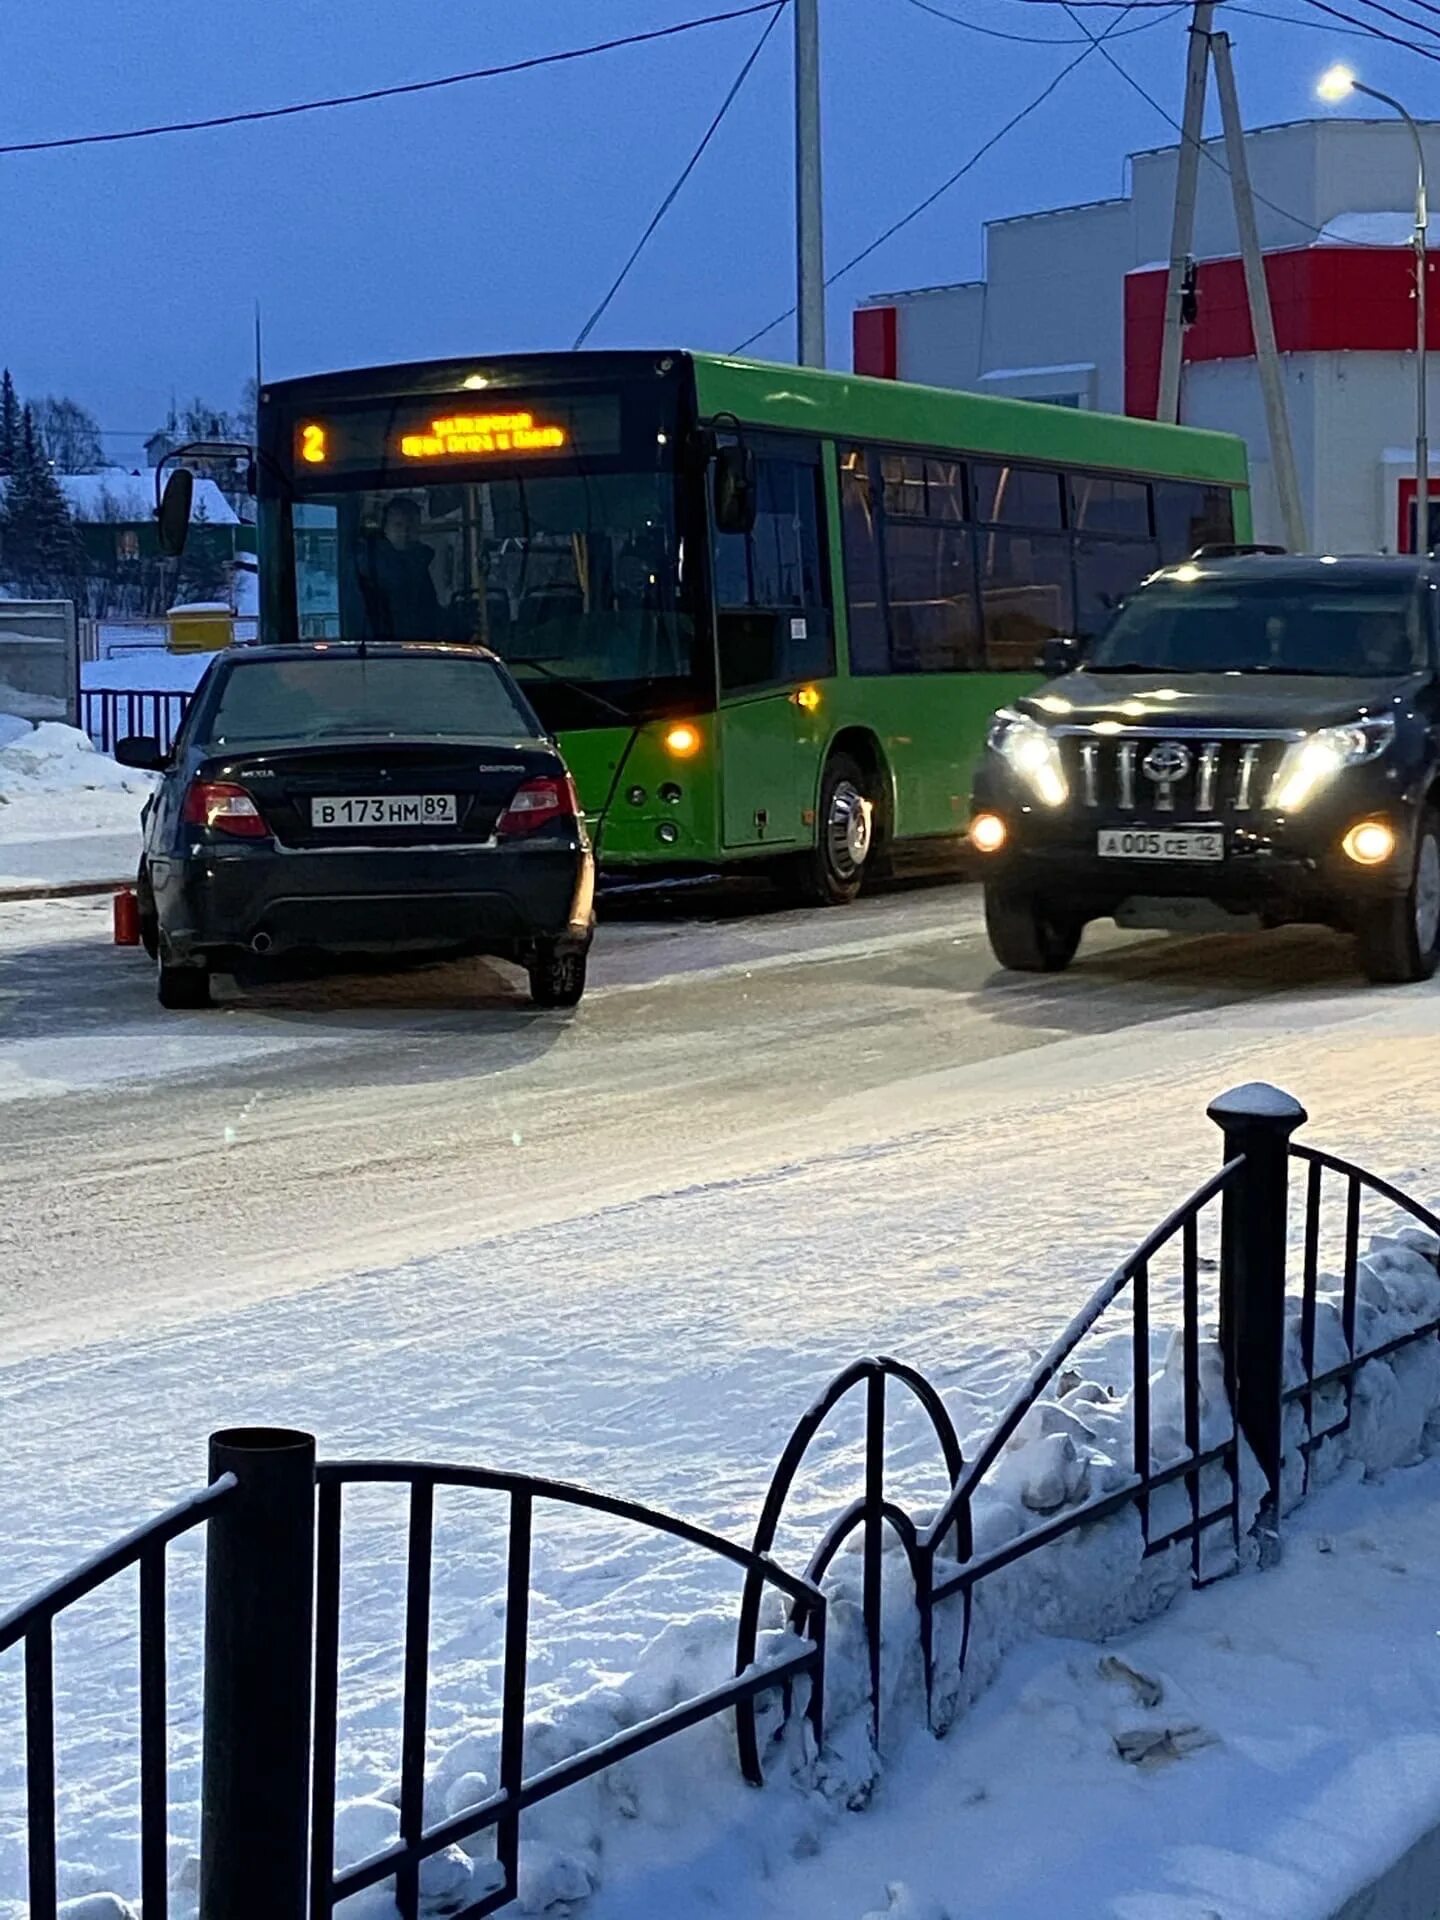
x=1337 y=84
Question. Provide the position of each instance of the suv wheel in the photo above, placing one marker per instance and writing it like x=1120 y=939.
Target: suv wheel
x=1399 y=938
x=1029 y=936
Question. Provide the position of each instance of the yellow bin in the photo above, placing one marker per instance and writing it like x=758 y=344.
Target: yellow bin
x=207 y=628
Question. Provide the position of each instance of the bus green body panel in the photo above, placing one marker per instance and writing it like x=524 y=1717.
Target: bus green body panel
x=840 y=405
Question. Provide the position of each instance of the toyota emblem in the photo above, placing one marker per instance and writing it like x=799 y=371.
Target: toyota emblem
x=1166 y=763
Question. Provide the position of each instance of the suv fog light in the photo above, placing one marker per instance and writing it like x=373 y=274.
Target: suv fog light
x=1370 y=844
x=988 y=833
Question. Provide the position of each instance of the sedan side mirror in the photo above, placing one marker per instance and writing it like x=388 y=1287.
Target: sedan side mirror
x=1060 y=655
x=141 y=752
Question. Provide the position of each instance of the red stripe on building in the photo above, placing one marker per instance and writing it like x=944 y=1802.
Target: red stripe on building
x=875 y=342
x=1324 y=299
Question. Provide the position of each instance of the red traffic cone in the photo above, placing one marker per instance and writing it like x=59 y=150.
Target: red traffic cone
x=127 y=918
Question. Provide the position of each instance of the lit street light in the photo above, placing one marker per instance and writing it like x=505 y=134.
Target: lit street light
x=1337 y=84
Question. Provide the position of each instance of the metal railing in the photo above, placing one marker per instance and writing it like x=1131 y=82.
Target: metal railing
x=109 y=714
x=33 y=1626
x=276 y=1534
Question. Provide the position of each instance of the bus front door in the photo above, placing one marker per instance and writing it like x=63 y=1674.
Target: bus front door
x=759 y=771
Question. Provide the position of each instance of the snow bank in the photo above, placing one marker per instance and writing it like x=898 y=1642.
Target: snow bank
x=57 y=791
x=55 y=759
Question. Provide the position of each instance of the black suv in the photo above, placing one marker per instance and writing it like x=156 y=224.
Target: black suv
x=1253 y=740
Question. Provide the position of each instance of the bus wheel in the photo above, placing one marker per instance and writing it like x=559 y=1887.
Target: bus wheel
x=831 y=873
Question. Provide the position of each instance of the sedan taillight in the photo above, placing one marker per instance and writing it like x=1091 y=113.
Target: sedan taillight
x=225 y=808
x=539 y=803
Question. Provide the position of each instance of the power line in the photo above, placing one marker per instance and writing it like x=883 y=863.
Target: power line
x=930 y=199
x=1368 y=26
x=1067 y=6
x=389 y=93
x=665 y=205
x=1039 y=39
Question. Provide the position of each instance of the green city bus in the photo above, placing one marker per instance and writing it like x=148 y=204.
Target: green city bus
x=768 y=611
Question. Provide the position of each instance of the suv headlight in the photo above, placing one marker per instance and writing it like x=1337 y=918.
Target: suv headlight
x=1033 y=754
x=1311 y=764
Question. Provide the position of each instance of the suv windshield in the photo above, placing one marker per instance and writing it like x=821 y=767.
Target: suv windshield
x=1266 y=626
x=319 y=697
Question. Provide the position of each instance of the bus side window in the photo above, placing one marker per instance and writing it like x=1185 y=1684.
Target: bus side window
x=864 y=595
x=771 y=590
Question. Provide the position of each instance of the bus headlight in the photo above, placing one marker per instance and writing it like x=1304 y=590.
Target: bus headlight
x=1311 y=764
x=1033 y=755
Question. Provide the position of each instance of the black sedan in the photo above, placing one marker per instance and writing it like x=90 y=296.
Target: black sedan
x=378 y=799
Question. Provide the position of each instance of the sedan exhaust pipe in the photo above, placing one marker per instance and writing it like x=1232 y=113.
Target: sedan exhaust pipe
x=261 y=943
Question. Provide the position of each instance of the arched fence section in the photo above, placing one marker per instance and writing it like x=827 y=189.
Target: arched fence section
x=1254 y=1383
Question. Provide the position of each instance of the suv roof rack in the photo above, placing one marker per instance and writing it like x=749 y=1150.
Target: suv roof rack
x=1233 y=549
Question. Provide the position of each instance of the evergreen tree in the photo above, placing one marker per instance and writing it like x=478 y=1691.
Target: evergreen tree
x=9 y=424
x=42 y=553
x=204 y=574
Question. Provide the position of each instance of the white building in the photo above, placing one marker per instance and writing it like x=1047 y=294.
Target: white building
x=1071 y=307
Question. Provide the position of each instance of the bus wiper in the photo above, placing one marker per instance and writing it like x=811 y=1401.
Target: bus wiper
x=574 y=686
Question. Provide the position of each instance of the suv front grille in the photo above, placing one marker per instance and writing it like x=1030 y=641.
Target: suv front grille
x=1193 y=775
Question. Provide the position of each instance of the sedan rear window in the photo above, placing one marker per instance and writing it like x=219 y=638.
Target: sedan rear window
x=330 y=697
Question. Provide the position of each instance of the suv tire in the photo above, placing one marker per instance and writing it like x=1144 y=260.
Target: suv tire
x=1398 y=939
x=1029 y=936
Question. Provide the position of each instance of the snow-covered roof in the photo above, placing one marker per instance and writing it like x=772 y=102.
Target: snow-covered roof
x=1024 y=373
x=117 y=494
x=1369 y=230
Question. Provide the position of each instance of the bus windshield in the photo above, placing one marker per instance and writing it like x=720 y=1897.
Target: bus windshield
x=568 y=576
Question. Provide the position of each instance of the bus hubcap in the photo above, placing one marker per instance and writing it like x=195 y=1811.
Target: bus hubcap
x=848 y=828
x=1427 y=894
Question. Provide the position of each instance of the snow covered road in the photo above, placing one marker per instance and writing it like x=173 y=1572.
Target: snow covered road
x=158 y=1165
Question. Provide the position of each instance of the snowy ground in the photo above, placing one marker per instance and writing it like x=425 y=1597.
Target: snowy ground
x=67 y=813
x=418 y=1219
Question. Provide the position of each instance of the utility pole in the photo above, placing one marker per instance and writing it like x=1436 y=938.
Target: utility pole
x=1182 y=233
x=809 y=200
x=1262 y=321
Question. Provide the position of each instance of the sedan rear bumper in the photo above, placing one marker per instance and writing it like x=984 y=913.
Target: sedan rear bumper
x=221 y=901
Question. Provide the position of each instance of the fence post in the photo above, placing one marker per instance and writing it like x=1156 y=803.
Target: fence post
x=259 y=1588
x=1257 y=1122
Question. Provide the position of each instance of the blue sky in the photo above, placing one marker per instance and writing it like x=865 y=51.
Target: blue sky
x=493 y=216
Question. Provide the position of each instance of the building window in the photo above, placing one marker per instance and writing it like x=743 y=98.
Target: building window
x=1015 y=496
x=771 y=586
x=918 y=487
x=1026 y=594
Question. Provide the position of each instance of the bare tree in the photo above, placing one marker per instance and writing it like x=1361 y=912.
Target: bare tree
x=69 y=435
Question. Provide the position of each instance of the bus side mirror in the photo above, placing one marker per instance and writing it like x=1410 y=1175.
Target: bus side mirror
x=173 y=514
x=736 y=500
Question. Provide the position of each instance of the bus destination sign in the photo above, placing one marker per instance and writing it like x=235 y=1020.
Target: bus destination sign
x=460 y=436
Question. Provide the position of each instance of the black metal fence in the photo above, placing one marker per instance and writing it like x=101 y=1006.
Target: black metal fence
x=109 y=714
x=275 y=1538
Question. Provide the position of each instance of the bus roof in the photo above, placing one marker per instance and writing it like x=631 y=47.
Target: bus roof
x=841 y=404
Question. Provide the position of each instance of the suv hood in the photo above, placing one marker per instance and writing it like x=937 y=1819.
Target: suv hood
x=1195 y=702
